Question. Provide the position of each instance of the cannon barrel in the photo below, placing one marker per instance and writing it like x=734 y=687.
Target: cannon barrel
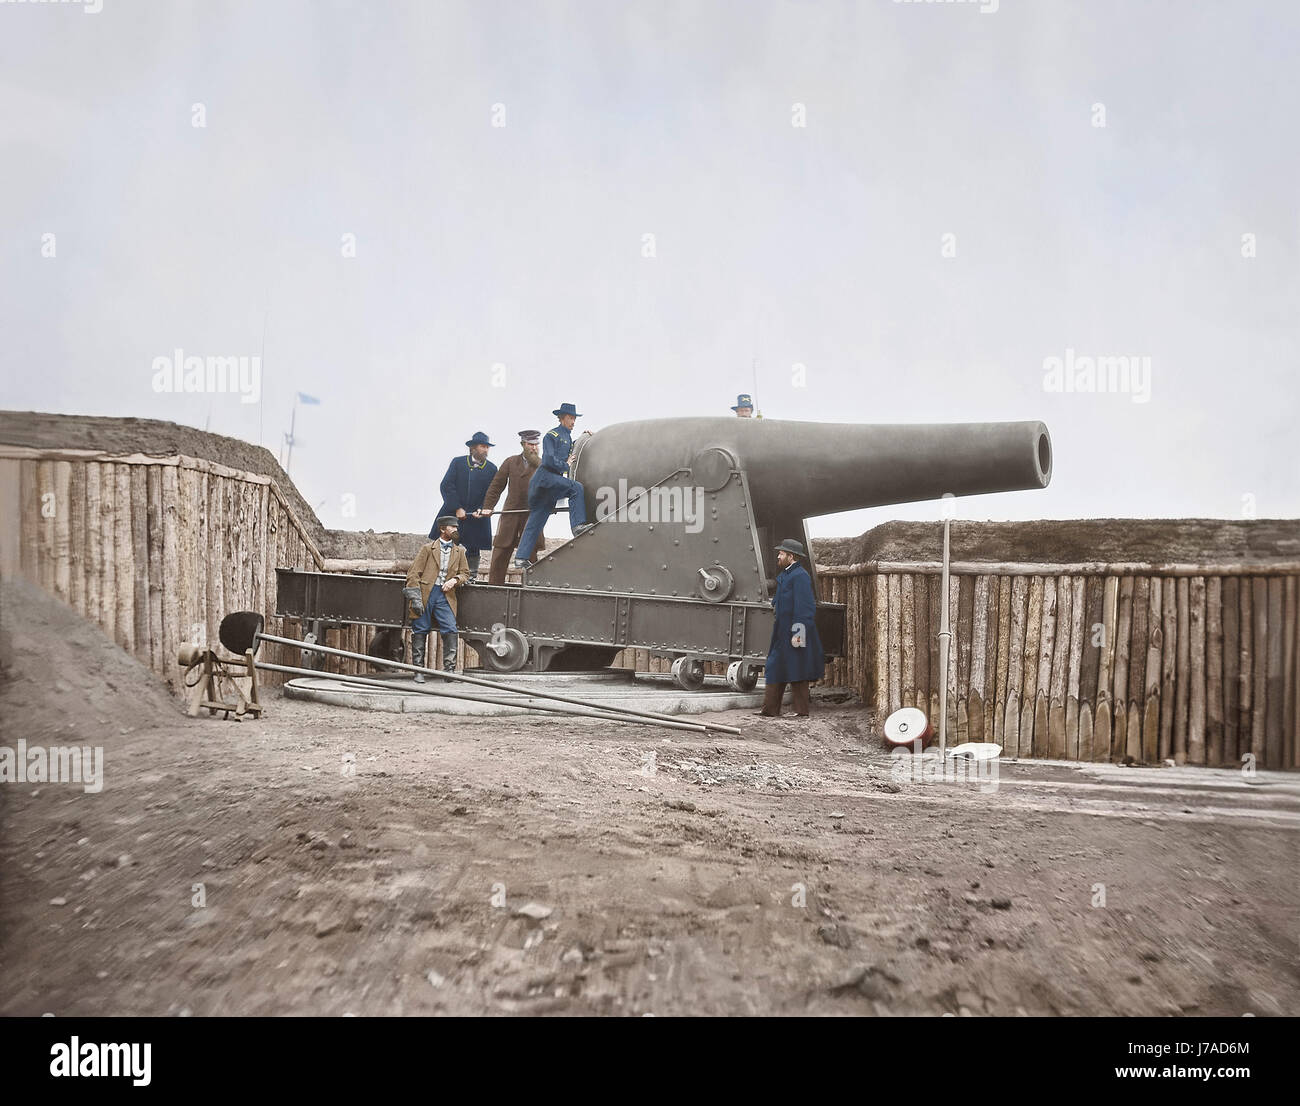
x=804 y=469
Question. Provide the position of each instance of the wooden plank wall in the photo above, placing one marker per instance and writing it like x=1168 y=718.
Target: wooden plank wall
x=1198 y=669
x=156 y=551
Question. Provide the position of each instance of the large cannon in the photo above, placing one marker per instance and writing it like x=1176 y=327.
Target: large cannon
x=680 y=560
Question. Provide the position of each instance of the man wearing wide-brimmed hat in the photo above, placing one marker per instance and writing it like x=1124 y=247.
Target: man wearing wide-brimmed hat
x=794 y=655
x=437 y=571
x=463 y=488
x=513 y=478
x=744 y=406
x=551 y=483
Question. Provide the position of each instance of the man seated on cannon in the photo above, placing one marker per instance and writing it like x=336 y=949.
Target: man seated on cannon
x=437 y=571
x=551 y=483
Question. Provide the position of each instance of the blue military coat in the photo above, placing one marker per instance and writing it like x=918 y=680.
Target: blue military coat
x=794 y=602
x=557 y=444
x=464 y=486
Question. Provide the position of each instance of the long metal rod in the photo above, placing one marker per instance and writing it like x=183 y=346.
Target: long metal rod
x=945 y=639
x=458 y=677
x=605 y=714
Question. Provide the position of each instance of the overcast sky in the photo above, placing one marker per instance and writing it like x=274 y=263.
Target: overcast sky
x=815 y=250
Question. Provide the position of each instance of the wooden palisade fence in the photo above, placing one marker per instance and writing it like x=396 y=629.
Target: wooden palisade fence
x=155 y=550
x=1198 y=664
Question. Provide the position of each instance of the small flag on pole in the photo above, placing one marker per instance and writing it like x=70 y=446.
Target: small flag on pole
x=303 y=397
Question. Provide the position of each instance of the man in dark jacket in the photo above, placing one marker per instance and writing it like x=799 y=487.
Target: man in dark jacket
x=795 y=654
x=512 y=478
x=463 y=489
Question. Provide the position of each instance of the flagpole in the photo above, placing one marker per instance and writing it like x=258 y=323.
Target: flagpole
x=293 y=422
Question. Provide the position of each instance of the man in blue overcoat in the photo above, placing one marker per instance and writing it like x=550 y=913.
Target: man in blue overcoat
x=463 y=489
x=551 y=483
x=795 y=654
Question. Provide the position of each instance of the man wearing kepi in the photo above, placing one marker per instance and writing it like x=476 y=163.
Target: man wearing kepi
x=551 y=483
x=795 y=654
x=513 y=478
x=463 y=489
x=437 y=571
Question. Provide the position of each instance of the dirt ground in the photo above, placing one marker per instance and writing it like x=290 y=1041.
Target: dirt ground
x=324 y=861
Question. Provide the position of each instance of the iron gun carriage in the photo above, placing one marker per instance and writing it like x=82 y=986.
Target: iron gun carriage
x=687 y=513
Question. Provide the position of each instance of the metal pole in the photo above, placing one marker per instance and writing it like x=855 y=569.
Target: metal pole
x=945 y=637
x=456 y=676
x=603 y=713
x=293 y=422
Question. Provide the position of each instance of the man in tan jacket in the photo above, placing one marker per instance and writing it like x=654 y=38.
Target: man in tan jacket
x=512 y=478
x=437 y=571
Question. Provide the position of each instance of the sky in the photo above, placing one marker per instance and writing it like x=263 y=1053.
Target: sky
x=438 y=217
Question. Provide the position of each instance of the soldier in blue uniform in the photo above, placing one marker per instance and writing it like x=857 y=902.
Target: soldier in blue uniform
x=551 y=483
x=744 y=407
x=463 y=489
x=795 y=653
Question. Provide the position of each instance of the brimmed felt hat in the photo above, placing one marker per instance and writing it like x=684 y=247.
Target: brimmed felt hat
x=530 y=435
x=479 y=439
x=792 y=546
x=447 y=520
x=566 y=409
x=743 y=400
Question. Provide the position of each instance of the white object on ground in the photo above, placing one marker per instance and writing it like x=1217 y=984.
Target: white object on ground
x=976 y=750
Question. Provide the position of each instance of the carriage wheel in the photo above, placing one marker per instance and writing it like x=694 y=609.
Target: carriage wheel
x=688 y=673
x=506 y=651
x=742 y=676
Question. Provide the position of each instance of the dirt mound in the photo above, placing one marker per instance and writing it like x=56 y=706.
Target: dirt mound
x=60 y=675
x=154 y=438
x=1066 y=541
x=369 y=545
